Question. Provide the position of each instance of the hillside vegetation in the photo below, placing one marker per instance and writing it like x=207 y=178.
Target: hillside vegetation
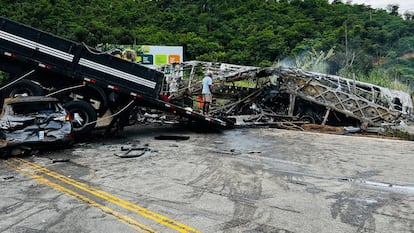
x=336 y=38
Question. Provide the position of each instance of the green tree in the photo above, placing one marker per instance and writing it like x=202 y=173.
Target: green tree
x=249 y=32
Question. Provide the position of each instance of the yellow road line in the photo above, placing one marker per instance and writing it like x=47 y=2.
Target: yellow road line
x=123 y=218
x=180 y=227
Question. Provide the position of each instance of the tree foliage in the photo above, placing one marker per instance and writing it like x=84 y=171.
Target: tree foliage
x=248 y=32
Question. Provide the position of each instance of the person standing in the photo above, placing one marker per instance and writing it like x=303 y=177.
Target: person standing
x=207 y=92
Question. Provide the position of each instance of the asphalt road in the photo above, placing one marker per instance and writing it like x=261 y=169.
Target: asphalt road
x=242 y=180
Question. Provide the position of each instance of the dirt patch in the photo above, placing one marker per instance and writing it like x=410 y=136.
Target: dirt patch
x=323 y=128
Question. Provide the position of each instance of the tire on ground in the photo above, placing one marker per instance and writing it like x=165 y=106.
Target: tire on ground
x=83 y=117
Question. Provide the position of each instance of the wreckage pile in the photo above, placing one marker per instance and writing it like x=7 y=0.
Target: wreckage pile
x=290 y=97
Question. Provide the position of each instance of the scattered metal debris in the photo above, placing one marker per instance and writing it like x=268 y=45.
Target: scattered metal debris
x=8 y=177
x=229 y=152
x=172 y=137
x=289 y=98
x=254 y=152
x=132 y=151
x=60 y=160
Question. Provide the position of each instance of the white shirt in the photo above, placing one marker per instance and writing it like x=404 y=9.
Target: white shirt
x=207 y=82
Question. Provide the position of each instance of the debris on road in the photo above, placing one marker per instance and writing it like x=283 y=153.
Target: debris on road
x=60 y=160
x=229 y=152
x=254 y=152
x=133 y=151
x=172 y=137
x=8 y=177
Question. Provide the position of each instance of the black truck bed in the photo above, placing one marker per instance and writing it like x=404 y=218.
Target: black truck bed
x=76 y=60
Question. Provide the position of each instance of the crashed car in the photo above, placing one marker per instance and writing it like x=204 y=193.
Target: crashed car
x=33 y=122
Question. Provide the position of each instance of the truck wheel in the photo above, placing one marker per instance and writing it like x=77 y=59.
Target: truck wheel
x=83 y=117
x=23 y=87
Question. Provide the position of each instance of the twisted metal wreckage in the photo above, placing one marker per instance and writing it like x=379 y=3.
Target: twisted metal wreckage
x=290 y=97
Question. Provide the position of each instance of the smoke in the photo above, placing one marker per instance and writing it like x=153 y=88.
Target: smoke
x=310 y=60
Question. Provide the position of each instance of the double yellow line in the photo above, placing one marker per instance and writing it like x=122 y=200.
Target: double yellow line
x=100 y=194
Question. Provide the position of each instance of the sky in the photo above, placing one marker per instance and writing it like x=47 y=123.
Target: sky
x=404 y=4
